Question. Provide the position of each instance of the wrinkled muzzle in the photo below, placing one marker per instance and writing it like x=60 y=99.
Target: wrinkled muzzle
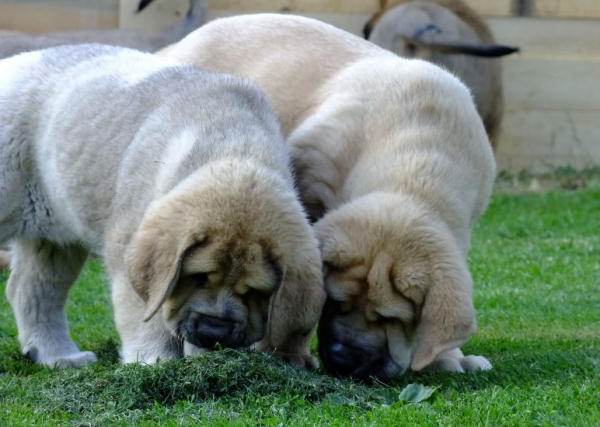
x=348 y=351
x=207 y=332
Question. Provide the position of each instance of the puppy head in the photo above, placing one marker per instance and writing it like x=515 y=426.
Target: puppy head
x=398 y=290
x=228 y=259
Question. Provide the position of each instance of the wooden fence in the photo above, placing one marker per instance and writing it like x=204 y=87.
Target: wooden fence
x=552 y=87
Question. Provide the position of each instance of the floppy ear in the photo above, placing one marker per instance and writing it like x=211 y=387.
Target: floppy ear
x=296 y=306
x=447 y=315
x=155 y=254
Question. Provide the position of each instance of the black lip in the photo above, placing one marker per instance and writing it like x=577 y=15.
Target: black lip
x=235 y=340
x=377 y=364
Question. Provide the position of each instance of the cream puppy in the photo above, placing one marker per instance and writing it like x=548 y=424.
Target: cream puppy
x=179 y=179
x=393 y=164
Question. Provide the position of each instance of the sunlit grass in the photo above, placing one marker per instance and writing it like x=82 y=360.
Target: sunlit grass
x=535 y=260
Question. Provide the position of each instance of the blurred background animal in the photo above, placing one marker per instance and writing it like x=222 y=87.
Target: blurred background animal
x=12 y=42
x=452 y=35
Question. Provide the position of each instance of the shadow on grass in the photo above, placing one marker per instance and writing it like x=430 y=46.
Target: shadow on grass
x=237 y=374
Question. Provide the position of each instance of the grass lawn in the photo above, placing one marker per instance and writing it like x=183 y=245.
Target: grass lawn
x=535 y=260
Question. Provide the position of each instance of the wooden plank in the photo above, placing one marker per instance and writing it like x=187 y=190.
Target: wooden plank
x=486 y=7
x=38 y=18
x=541 y=8
x=567 y=8
x=306 y=6
x=541 y=140
x=104 y=5
x=557 y=38
x=491 y=7
x=162 y=13
x=552 y=84
x=551 y=114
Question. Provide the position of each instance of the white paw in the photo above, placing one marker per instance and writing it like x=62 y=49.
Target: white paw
x=460 y=364
x=473 y=363
x=70 y=360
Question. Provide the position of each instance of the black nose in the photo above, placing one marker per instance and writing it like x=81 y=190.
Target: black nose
x=214 y=327
x=344 y=359
x=208 y=331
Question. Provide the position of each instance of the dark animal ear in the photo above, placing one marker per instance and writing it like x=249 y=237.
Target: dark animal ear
x=485 y=50
x=142 y=5
x=156 y=251
x=368 y=28
x=447 y=315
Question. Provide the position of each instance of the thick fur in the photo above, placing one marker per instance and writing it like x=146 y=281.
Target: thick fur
x=179 y=179
x=393 y=163
x=395 y=23
x=12 y=42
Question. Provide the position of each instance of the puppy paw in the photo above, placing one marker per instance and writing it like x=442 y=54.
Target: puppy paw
x=460 y=364
x=473 y=363
x=70 y=360
x=304 y=361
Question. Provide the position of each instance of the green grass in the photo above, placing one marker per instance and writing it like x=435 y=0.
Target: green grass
x=536 y=263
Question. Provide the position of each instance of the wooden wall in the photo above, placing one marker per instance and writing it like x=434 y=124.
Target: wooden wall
x=552 y=87
x=38 y=16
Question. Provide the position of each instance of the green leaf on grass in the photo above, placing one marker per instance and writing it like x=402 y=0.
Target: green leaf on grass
x=336 y=400
x=416 y=393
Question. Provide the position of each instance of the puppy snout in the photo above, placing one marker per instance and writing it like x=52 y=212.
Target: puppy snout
x=343 y=359
x=213 y=327
x=348 y=359
x=206 y=331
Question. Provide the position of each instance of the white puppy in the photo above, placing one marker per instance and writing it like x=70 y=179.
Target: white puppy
x=393 y=161
x=179 y=178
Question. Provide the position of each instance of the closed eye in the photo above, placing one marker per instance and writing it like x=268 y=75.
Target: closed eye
x=198 y=280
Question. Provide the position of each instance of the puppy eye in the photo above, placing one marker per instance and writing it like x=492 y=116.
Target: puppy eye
x=199 y=280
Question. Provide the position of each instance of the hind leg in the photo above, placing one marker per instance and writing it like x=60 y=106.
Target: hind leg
x=41 y=275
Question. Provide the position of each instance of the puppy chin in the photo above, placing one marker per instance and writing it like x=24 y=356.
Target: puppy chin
x=350 y=355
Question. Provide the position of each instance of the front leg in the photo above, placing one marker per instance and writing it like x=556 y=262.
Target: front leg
x=455 y=361
x=42 y=274
x=141 y=342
